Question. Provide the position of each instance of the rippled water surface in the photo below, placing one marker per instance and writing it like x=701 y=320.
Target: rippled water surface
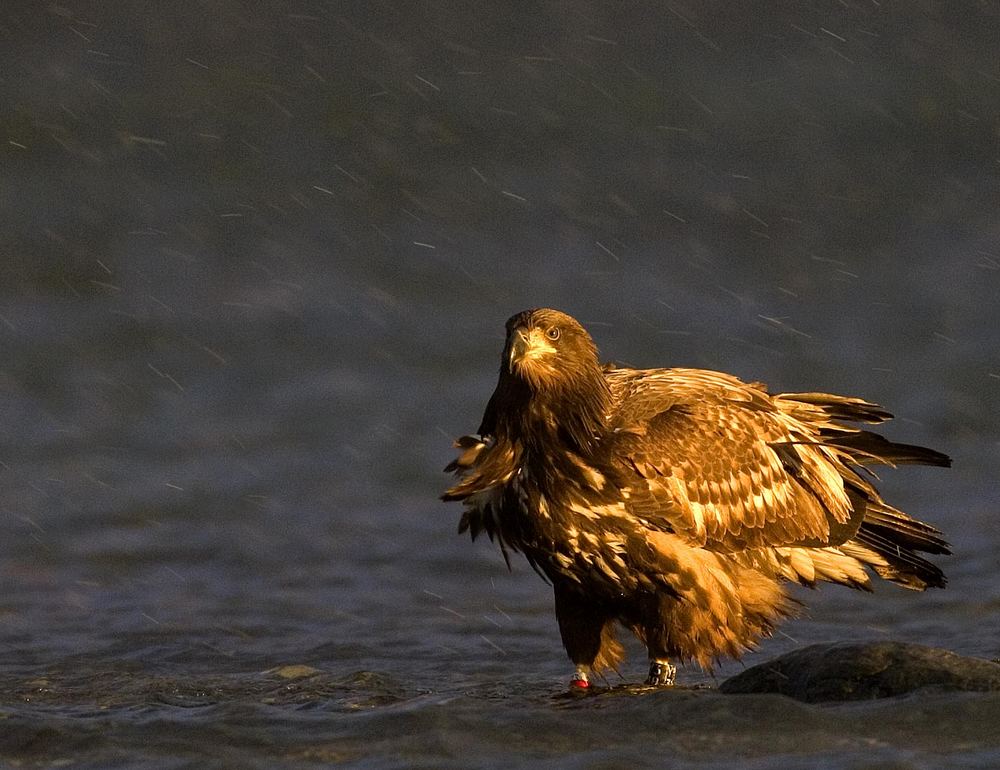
x=256 y=267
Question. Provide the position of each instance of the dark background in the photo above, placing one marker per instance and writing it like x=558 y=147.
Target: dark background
x=256 y=263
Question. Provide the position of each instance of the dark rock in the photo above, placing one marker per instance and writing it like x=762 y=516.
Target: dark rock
x=864 y=671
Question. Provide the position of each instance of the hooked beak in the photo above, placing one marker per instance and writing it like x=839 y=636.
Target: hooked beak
x=527 y=345
x=518 y=348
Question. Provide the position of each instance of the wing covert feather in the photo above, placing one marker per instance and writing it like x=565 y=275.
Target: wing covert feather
x=701 y=450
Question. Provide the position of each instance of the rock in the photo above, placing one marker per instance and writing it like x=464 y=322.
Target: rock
x=296 y=671
x=864 y=671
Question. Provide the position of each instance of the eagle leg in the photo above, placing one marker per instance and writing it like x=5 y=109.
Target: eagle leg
x=587 y=631
x=661 y=673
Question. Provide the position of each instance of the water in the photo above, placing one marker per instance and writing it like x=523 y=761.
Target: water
x=256 y=269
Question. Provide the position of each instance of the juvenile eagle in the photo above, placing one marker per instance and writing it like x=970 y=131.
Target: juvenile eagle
x=678 y=502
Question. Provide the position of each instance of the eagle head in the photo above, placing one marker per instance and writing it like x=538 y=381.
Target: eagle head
x=551 y=381
x=547 y=349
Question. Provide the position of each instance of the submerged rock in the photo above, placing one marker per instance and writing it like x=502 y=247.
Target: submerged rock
x=864 y=671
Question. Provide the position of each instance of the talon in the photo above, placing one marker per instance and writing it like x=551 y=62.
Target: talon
x=580 y=680
x=661 y=673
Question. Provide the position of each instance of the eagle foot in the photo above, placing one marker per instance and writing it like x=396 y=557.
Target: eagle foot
x=661 y=673
x=580 y=681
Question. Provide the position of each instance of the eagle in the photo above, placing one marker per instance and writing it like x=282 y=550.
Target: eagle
x=679 y=503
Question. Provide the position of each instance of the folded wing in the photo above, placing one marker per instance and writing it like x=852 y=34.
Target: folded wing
x=730 y=467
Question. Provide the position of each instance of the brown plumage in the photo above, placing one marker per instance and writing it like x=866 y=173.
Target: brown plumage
x=678 y=502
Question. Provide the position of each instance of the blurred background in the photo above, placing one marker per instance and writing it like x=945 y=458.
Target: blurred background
x=257 y=258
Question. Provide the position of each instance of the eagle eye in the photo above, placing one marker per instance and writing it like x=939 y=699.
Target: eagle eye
x=553 y=333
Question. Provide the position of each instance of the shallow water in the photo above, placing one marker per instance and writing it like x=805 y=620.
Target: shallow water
x=257 y=269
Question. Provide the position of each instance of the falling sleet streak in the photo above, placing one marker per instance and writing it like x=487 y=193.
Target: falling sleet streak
x=165 y=376
x=782 y=325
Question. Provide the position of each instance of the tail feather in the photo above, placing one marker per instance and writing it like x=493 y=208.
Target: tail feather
x=905 y=531
x=895 y=563
x=888 y=541
x=868 y=448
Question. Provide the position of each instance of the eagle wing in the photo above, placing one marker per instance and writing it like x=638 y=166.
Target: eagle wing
x=728 y=466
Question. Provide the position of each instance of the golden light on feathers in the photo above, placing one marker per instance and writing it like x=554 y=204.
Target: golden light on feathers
x=678 y=502
x=533 y=355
